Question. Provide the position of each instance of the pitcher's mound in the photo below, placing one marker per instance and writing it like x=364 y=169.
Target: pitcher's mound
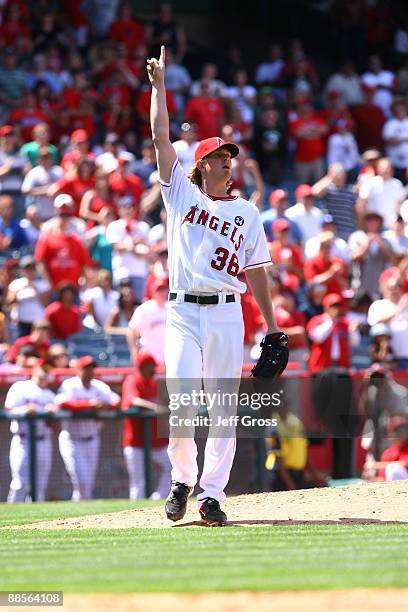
x=362 y=503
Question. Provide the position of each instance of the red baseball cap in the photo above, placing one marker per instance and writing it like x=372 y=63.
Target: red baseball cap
x=5 y=130
x=79 y=136
x=303 y=191
x=331 y=299
x=160 y=284
x=144 y=359
x=277 y=195
x=387 y=274
x=85 y=361
x=280 y=225
x=209 y=145
x=291 y=282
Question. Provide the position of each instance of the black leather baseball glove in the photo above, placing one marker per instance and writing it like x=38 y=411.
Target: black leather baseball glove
x=274 y=357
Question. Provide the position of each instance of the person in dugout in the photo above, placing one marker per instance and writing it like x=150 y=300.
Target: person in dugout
x=140 y=390
x=30 y=397
x=79 y=439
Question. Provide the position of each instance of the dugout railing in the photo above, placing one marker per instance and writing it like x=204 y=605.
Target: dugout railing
x=145 y=417
x=111 y=463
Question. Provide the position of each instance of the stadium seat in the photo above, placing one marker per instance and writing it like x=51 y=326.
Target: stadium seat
x=88 y=342
x=118 y=350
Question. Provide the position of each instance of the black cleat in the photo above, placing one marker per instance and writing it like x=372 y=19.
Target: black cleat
x=176 y=503
x=211 y=513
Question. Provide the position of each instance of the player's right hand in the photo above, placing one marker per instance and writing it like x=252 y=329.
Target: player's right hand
x=155 y=68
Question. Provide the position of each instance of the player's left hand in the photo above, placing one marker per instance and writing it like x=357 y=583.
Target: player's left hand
x=274 y=357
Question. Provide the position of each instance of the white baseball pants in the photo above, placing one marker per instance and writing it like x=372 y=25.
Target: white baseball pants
x=204 y=346
x=134 y=457
x=20 y=468
x=81 y=461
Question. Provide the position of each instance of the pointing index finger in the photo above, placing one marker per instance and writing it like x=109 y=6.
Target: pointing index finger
x=162 y=55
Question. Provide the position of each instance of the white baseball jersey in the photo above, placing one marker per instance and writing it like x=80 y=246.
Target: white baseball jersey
x=73 y=389
x=210 y=240
x=25 y=392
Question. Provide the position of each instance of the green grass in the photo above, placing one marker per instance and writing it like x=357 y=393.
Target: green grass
x=201 y=560
x=20 y=514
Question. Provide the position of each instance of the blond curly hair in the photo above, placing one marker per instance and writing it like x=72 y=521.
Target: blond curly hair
x=195 y=177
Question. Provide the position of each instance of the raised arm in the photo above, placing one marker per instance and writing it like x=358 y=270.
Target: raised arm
x=159 y=117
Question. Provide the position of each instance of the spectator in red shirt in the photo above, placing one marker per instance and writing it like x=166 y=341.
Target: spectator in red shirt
x=140 y=390
x=118 y=92
x=325 y=269
x=126 y=29
x=38 y=340
x=329 y=336
x=80 y=150
x=81 y=89
x=14 y=25
x=60 y=252
x=205 y=111
x=27 y=115
x=396 y=456
x=135 y=63
x=77 y=20
x=118 y=118
x=368 y=120
x=309 y=131
x=335 y=111
x=288 y=257
x=82 y=181
x=293 y=323
x=63 y=315
x=123 y=183
x=94 y=200
x=142 y=109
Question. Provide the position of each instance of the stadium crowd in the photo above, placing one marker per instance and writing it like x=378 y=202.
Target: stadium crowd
x=82 y=223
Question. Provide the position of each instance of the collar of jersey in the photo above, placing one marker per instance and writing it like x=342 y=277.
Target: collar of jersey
x=215 y=198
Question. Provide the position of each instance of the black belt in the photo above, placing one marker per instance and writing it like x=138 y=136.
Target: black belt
x=38 y=438
x=203 y=300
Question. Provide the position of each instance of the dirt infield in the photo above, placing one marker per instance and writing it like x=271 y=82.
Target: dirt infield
x=356 y=600
x=363 y=503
